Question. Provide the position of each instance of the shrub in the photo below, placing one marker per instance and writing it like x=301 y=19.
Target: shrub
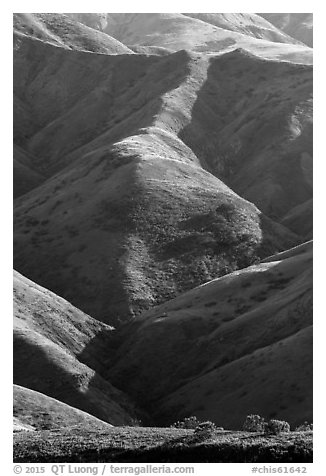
x=205 y=429
x=305 y=427
x=275 y=427
x=189 y=423
x=254 y=423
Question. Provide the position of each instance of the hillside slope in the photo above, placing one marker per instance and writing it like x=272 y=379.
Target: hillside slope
x=133 y=211
x=246 y=23
x=63 y=31
x=49 y=337
x=178 y=31
x=297 y=25
x=237 y=345
x=37 y=411
x=25 y=178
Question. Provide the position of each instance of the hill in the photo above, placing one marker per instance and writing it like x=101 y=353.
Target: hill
x=297 y=25
x=134 y=202
x=178 y=31
x=237 y=345
x=248 y=24
x=66 y=32
x=49 y=337
x=34 y=410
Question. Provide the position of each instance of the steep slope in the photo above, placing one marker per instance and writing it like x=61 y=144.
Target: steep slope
x=237 y=345
x=62 y=30
x=297 y=25
x=37 y=411
x=49 y=336
x=69 y=106
x=251 y=124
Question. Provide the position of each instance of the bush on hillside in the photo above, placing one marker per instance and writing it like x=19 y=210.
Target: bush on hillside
x=305 y=427
x=205 y=429
x=275 y=427
x=254 y=423
x=189 y=423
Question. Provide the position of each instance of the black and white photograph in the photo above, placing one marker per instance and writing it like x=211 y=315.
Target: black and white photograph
x=162 y=239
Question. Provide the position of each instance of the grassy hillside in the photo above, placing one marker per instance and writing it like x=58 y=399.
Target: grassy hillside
x=37 y=411
x=298 y=25
x=165 y=189
x=54 y=335
x=129 y=216
x=25 y=178
x=251 y=124
x=236 y=113
x=300 y=219
x=237 y=345
x=119 y=239
x=248 y=24
x=205 y=33
x=160 y=445
x=66 y=32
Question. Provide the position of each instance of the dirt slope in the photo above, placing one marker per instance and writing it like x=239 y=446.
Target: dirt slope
x=49 y=337
x=237 y=345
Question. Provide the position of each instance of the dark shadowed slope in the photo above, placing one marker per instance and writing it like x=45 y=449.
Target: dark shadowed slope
x=38 y=411
x=25 y=177
x=237 y=345
x=49 y=335
x=300 y=219
x=251 y=124
x=62 y=30
x=297 y=25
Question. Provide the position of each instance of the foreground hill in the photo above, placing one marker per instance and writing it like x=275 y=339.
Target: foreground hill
x=49 y=336
x=34 y=410
x=297 y=25
x=62 y=30
x=237 y=345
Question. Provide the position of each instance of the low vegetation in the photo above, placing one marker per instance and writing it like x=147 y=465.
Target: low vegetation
x=206 y=443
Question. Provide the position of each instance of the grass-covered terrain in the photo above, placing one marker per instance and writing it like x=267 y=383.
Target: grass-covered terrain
x=135 y=444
